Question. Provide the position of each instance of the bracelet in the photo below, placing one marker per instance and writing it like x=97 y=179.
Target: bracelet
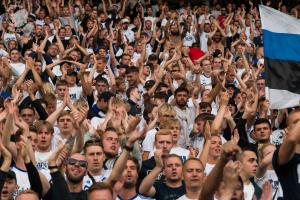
x=128 y=148
x=54 y=170
x=52 y=167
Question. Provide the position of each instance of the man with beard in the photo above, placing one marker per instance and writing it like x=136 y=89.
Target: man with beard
x=175 y=36
x=37 y=38
x=215 y=40
x=130 y=177
x=76 y=169
x=185 y=115
x=71 y=188
x=173 y=187
x=193 y=174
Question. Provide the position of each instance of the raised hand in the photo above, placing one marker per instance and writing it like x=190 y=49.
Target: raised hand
x=235 y=137
x=224 y=98
x=61 y=149
x=158 y=158
x=231 y=175
x=207 y=130
x=6 y=156
x=24 y=149
x=230 y=151
x=137 y=134
x=267 y=191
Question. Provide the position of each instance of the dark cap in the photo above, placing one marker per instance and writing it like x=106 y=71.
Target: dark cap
x=149 y=84
x=71 y=73
x=11 y=175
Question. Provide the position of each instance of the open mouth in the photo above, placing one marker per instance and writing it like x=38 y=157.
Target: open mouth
x=4 y=192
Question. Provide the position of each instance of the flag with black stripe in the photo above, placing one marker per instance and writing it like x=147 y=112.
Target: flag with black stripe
x=281 y=35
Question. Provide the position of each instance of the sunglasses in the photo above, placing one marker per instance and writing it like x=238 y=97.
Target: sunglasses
x=82 y=163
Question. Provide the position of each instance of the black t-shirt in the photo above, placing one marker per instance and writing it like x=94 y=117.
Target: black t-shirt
x=163 y=192
x=78 y=195
x=147 y=167
x=288 y=175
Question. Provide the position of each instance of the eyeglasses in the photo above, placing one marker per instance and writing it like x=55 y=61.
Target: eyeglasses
x=82 y=163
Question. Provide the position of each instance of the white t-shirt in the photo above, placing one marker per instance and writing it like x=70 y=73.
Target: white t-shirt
x=179 y=151
x=189 y=39
x=3 y=53
x=148 y=143
x=271 y=176
x=22 y=180
x=136 y=197
x=96 y=121
x=208 y=168
x=129 y=34
x=203 y=41
x=205 y=81
x=17 y=68
x=42 y=163
x=87 y=181
x=56 y=139
x=9 y=36
x=183 y=153
x=184 y=197
x=248 y=191
x=56 y=70
x=75 y=93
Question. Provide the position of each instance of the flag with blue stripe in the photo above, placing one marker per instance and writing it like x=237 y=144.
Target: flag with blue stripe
x=281 y=36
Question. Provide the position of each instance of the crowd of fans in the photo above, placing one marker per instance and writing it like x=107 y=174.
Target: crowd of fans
x=147 y=99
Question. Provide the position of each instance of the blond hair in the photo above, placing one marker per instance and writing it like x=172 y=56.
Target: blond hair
x=167 y=109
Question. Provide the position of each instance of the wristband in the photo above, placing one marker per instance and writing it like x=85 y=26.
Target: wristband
x=52 y=167
x=128 y=148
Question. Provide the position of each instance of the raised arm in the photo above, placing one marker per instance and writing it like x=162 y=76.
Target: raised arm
x=213 y=180
x=21 y=79
x=33 y=174
x=53 y=117
x=146 y=187
x=207 y=140
x=216 y=125
x=121 y=162
x=6 y=155
x=37 y=78
x=8 y=129
x=288 y=147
